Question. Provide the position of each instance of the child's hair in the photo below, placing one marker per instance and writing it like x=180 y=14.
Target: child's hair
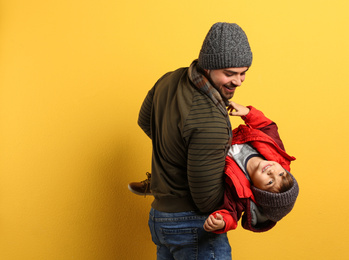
x=286 y=184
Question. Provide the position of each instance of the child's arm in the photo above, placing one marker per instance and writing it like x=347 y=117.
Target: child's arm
x=240 y=110
x=220 y=222
x=255 y=118
x=214 y=223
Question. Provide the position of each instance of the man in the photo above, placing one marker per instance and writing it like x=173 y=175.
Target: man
x=186 y=118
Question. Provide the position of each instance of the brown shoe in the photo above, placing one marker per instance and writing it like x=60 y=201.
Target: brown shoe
x=141 y=188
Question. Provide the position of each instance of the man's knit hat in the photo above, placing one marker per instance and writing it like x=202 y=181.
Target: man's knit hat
x=225 y=46
x=276 y=205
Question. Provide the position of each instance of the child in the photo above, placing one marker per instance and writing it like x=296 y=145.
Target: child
x=257 y=172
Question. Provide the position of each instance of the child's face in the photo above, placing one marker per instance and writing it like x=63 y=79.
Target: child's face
x=268 y=175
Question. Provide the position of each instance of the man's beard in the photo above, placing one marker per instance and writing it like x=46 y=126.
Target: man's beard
x=225 y=100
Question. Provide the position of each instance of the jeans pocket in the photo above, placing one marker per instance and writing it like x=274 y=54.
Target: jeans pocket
x=182 y=242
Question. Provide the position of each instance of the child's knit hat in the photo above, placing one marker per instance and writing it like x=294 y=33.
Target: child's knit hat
x=276 y=205
x=225 y=46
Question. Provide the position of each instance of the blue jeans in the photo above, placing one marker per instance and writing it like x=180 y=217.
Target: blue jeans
x=182 y=236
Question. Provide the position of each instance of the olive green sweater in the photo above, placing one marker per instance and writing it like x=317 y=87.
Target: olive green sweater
x=189 y=136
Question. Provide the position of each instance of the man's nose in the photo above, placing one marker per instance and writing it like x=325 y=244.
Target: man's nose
x=236 y=80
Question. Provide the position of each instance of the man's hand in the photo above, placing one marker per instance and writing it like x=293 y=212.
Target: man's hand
x=214 y=223
x=235 y=109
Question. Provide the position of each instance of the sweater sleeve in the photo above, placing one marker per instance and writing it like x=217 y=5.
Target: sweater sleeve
x=145 y=113
x=206 y=135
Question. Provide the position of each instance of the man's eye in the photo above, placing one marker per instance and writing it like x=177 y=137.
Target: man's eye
x=270 y=182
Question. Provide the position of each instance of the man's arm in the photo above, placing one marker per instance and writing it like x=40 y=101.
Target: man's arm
x=145 y=113
x=206 y=135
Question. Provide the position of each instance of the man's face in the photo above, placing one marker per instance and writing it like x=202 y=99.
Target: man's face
x=269 y=176
x=227 y=80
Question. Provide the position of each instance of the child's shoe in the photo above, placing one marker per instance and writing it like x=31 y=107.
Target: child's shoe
x=141 y=188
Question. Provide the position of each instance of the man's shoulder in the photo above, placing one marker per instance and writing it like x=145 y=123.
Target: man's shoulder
x=175 y=73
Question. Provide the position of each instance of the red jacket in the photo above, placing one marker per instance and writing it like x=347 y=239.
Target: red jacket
x=262 y=134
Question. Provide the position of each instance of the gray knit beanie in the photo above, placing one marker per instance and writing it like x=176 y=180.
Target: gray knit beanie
x=225 y=46
x=276 y=205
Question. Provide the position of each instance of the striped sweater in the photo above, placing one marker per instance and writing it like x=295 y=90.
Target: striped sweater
x=189 y=135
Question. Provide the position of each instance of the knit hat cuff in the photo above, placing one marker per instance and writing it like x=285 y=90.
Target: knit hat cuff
x=225 y=60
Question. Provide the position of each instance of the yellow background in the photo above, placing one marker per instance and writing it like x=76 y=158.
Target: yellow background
x=73 y=75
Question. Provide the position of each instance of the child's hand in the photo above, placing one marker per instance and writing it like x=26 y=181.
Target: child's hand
x=240 y=110
x=214 y=223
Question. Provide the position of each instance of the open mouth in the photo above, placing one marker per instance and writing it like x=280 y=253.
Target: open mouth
x=266 y=167
x=230 y=89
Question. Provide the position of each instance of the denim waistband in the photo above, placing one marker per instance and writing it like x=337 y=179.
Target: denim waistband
x=160 y=216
